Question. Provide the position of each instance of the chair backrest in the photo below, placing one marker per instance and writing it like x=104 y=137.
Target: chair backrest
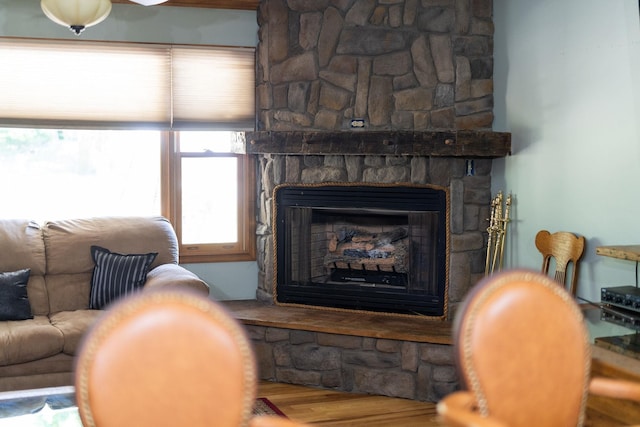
x=523 y=350
x=166 y=357
x=564 y=247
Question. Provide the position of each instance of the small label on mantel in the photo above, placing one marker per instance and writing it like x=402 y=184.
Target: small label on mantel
x=357 y=123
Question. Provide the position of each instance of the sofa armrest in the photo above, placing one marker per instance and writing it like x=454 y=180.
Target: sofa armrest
x=166 y=275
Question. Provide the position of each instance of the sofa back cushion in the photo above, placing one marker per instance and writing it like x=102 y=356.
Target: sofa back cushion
x=21 y=246
x=68 y=252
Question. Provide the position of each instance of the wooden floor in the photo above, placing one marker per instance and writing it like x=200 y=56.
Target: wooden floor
x=320 y=407
x=334 y=408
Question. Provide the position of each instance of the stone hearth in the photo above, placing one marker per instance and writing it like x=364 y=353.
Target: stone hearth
x=369 y=353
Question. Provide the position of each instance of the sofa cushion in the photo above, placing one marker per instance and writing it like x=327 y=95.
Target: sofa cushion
x=68 y=292
x=26 y=340
x=14 y=301
x=73 y=325
x=117 y=275
x=68 y=242
x=21 y=246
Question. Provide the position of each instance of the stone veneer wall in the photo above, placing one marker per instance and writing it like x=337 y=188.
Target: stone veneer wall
x=397 y=64
x=419 y=371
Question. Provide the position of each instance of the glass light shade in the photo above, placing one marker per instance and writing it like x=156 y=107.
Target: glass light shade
x=76 y=14
x=149 y=2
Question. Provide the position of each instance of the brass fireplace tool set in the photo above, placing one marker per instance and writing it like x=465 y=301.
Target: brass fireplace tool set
x=498 y=221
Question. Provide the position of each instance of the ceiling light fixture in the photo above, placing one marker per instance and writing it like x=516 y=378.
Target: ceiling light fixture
x=80 y=14
x=149 y=2
x=76 y=14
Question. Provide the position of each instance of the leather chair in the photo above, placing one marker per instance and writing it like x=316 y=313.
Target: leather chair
x=524 y=356
x=563 y=247
x=170 y=358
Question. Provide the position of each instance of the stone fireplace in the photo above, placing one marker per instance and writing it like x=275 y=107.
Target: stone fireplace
x=379 y=91
x=383 y=93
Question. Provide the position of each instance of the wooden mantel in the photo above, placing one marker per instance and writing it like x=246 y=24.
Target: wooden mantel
x=468 y=143
x=215 y=4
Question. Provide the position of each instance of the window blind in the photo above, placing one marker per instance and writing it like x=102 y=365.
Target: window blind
x=85 y=84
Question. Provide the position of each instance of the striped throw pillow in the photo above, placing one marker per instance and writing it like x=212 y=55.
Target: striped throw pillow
x=116 y=275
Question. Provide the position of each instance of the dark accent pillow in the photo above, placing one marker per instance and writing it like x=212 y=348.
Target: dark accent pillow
x=116 y=275
x=14 y=302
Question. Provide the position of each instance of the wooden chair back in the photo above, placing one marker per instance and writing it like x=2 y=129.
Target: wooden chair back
x=563 y=247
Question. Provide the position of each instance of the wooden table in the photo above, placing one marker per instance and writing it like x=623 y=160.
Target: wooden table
x=628 y=344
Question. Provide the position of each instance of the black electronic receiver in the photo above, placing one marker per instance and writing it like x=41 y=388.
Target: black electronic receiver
x=620 y=316
x=627 y=297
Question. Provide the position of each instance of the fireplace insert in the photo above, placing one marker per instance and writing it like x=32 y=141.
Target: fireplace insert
x=380 y=248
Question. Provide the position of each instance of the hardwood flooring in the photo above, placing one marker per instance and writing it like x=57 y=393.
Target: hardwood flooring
x=320 y=407
x=334 y=408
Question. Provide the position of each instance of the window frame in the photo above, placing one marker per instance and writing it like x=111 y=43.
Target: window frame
x=242 y=250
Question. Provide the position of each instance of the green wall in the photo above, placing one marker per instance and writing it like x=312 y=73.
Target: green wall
x=567 y=85
x=154 y=24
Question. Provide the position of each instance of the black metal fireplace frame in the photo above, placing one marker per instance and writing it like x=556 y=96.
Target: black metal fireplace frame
x=400 y=197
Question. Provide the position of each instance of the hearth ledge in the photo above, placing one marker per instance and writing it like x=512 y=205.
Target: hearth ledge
x=258 y=313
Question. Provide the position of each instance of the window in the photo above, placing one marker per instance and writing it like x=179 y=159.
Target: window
x=196 y=179
x=53 y=174
x=151 y=141
x=211 y=196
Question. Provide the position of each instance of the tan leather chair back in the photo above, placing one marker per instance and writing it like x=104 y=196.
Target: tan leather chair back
x=523 y=350
x=166 y=358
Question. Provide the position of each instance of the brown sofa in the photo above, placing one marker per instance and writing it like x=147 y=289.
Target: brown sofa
x=39 y=352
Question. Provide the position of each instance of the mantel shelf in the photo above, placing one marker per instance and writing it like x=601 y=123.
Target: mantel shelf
x=467 y=144
x=627 y=252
